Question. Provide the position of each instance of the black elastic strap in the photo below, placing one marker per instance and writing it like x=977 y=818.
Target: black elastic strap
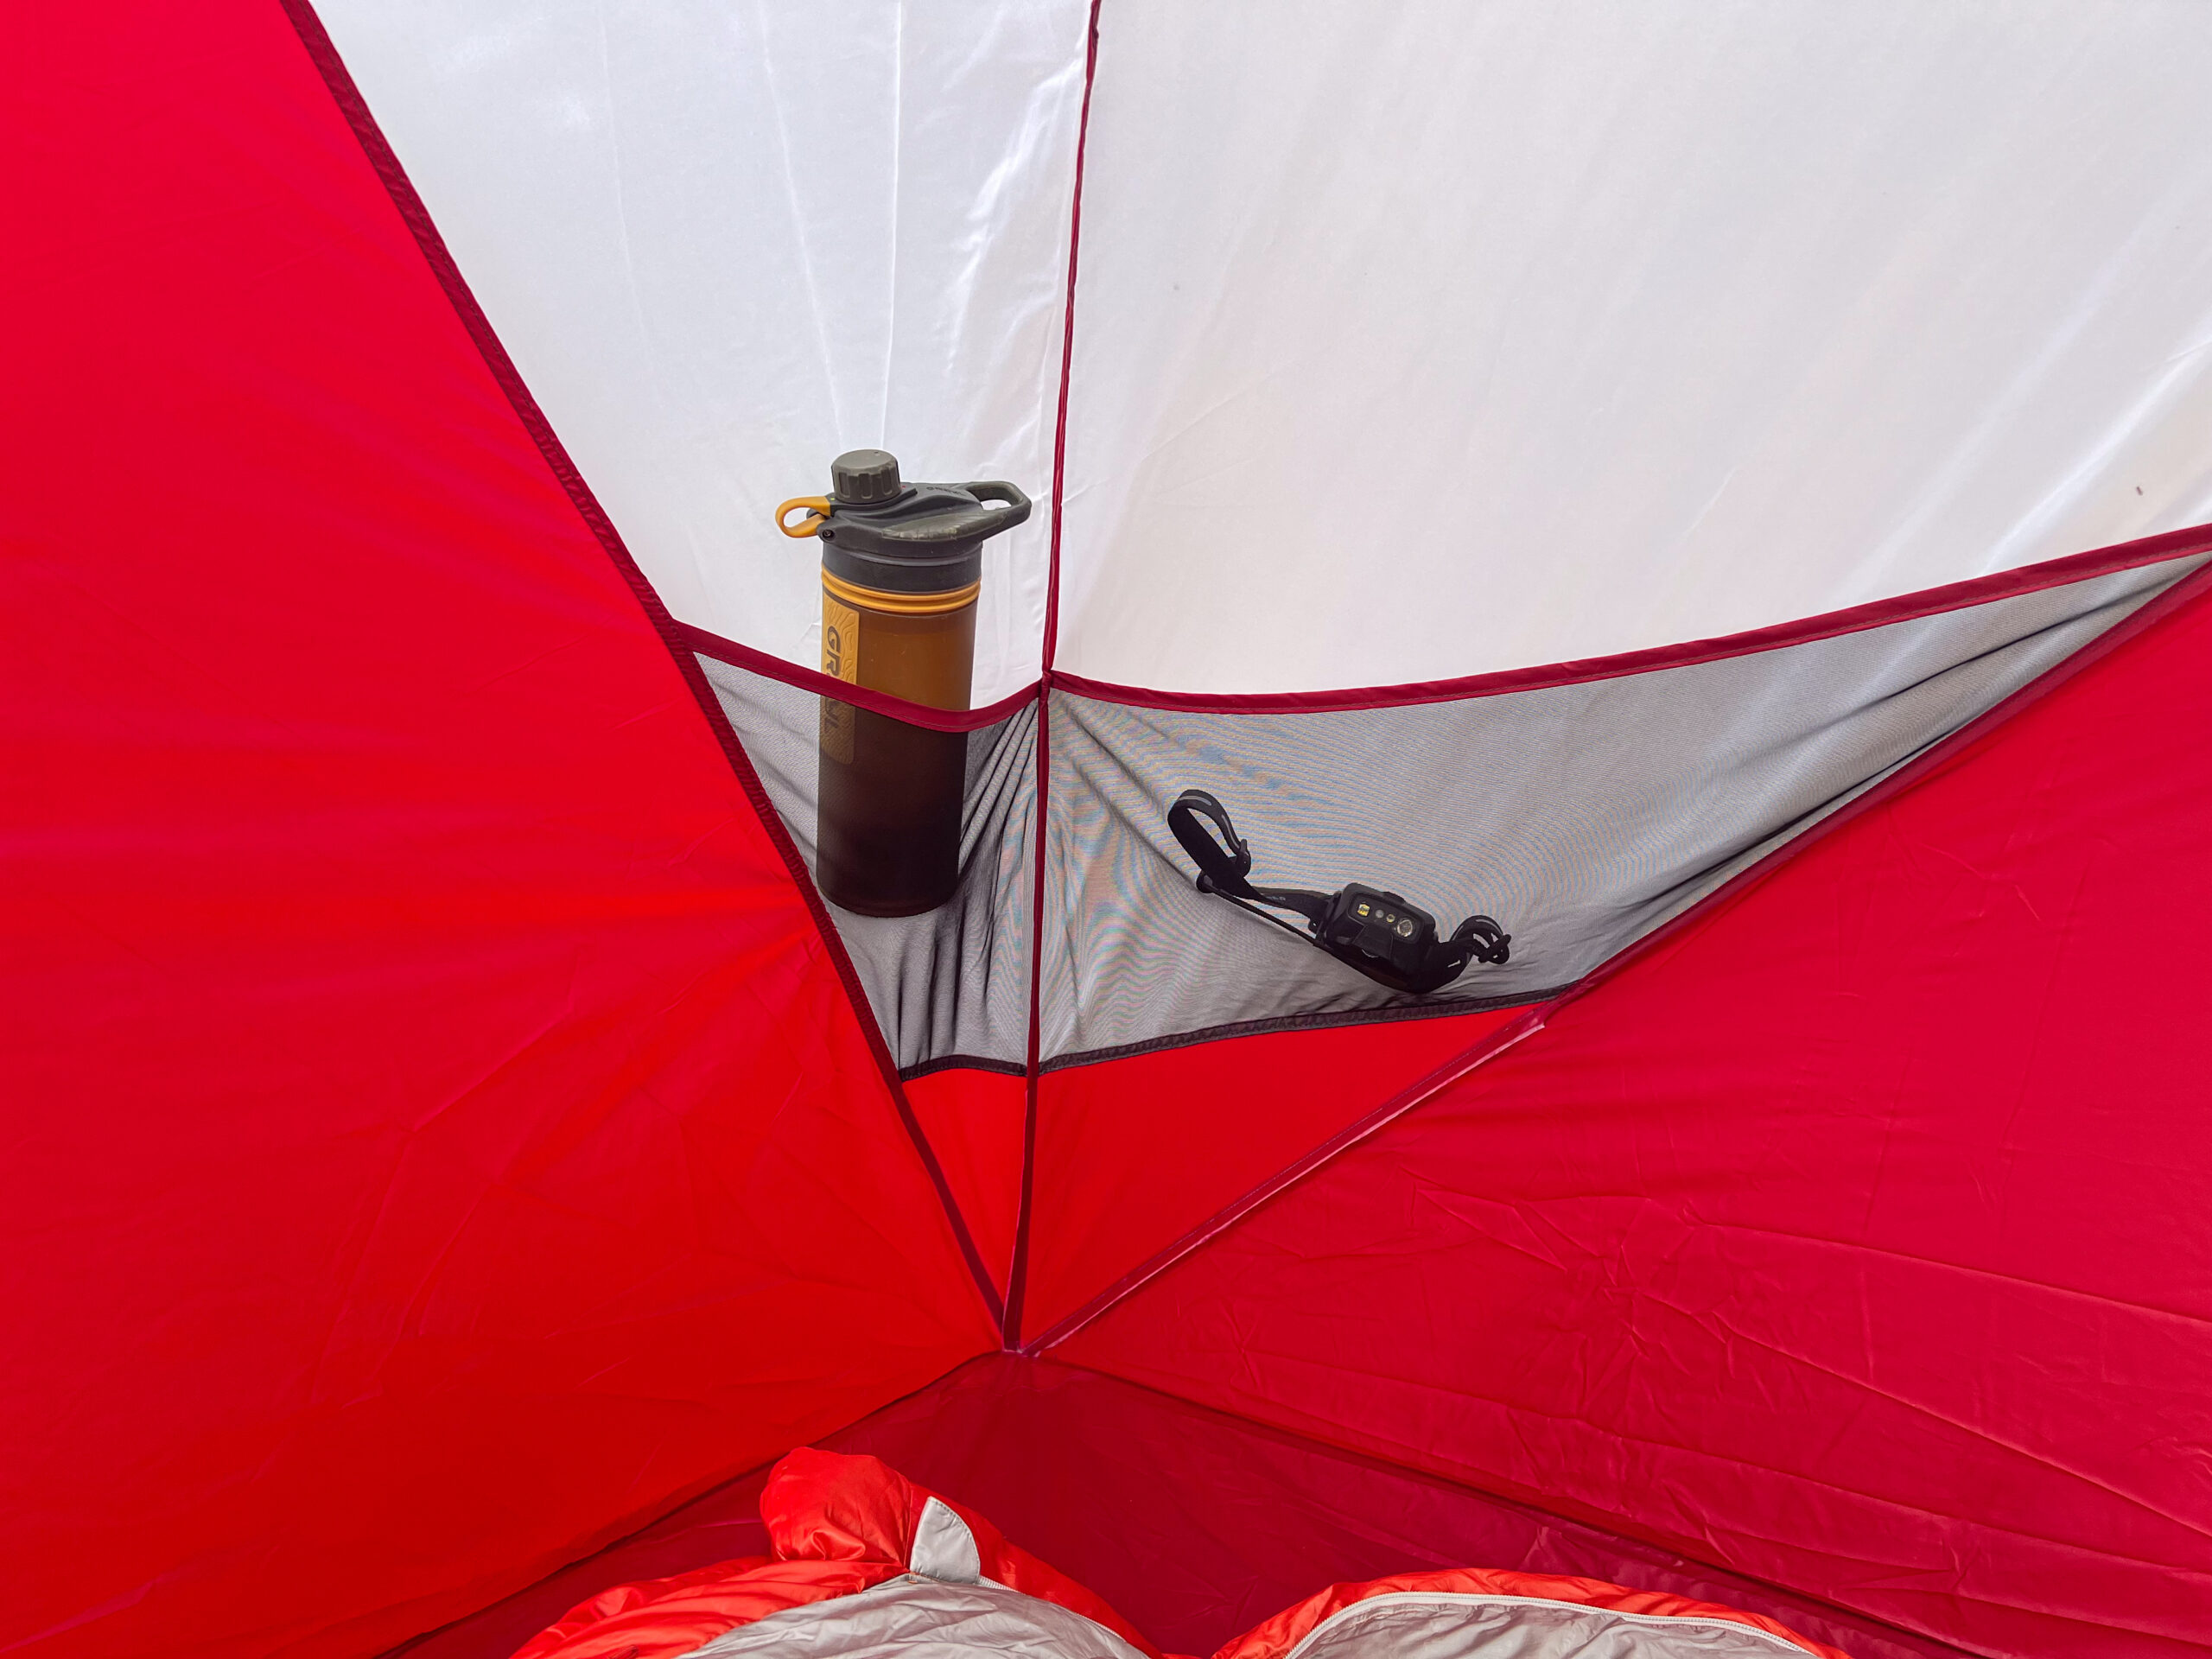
x=1420 y=963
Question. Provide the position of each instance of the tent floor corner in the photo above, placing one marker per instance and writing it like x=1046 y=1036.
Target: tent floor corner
x=1193 y=1522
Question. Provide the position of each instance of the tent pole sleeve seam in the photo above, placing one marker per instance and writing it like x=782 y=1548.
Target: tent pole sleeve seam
x=322 y=52
x=1018 y=1272
x=1398 y=1106
x=1017 y=1277
x=1067 y=348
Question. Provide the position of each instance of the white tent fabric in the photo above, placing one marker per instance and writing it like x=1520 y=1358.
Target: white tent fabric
x=723 y=243
x=1422 y=340
x=1432 y=339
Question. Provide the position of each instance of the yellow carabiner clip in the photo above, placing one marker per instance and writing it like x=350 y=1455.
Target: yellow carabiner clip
x=817 y=508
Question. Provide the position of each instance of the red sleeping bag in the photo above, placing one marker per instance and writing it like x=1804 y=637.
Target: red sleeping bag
x=867 y=1565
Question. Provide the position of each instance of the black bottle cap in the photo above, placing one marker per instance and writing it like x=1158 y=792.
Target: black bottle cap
x=884 y=533
x=863 y=477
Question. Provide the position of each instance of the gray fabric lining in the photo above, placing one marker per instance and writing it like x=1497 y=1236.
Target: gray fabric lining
x=955 y=980
x=943 y=1548
x=1417 y=1626
x=915 y=1618
x=1580 y=816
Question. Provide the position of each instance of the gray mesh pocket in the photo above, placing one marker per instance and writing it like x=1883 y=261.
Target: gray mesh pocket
x=1579 y=816
x=953 y=982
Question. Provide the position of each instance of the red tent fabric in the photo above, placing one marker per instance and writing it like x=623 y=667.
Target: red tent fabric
x=860 y=1556
x=375 y=884
x=1849 y=1197
x=1202 y=1526
x=835 y=1525
x=454 y=1149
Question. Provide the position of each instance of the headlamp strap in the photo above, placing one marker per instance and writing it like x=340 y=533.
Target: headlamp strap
x=1392 y=943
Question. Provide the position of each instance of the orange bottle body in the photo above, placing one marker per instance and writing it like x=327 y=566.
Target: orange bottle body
x=887 y=837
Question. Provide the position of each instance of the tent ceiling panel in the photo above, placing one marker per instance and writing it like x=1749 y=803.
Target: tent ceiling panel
x=724 y=245
x=1846 y=1239
x=1432 y=339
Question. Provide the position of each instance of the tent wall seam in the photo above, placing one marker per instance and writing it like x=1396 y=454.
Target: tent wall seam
x=1829 y=625
x=1392 y=1015
x=1018 y=1272
x=1374 y=1122
x=1934 y=758
x=385 y=162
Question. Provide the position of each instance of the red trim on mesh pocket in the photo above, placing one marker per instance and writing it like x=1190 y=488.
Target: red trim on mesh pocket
x=807 y=679
x=1931 y=602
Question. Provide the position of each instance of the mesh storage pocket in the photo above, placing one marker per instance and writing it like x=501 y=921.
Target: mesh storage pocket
x=954 y=982
x=1581 y=816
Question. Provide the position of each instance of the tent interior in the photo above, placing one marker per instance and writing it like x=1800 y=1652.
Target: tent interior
x=1724 y=490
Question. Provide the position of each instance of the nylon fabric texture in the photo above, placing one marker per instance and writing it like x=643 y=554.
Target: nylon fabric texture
x=914 y=1617
x=418 y=1056
x=1450 y=339
x=1833 y=1238
x=1200 y=1527
x=662 y=1618
x=725 y=245
x=847 y=1537
x=1134 y=1153
x=1910 y=290
x=454 y=1146
x=1475 y=1613
x=1424 y=1627
x=957 y=1595
x=973 y=1120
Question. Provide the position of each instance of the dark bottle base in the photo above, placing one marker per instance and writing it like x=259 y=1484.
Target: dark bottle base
x=888 y=837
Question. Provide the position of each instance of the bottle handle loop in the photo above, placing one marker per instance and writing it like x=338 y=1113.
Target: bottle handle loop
x=817 y=515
